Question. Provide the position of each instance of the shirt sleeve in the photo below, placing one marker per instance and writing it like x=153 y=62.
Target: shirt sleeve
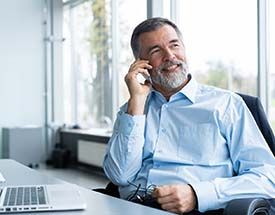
x=252 y=160
x=123 y=158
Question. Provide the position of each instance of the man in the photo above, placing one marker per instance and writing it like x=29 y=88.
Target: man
x=199 y=145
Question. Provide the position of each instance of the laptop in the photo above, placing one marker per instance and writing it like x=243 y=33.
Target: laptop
x=34 y=198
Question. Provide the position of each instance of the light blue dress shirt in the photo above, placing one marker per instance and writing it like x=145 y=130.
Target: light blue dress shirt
x=203 y=136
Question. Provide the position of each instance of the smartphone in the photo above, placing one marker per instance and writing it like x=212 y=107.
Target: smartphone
x=142 y=78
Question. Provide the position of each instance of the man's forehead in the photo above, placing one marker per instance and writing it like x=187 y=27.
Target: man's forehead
x=165 y=29
x=165 y=33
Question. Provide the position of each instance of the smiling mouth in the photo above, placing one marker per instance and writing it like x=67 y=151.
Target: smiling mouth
x=171 y=68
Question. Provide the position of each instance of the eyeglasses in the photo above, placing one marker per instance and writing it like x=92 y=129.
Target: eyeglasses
x=141 y=194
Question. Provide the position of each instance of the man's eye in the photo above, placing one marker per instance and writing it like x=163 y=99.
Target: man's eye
x=154 y=51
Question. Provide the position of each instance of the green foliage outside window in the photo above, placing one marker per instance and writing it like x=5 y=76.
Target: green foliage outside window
x=227 y=77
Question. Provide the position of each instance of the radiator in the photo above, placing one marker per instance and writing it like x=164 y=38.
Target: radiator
x=23 y=144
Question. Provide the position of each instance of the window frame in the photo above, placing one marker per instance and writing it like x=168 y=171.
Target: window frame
x=263 y=53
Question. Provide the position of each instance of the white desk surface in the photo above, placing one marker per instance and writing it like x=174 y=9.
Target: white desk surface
x=97 y=203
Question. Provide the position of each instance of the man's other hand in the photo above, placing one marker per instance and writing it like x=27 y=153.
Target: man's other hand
x=176 y=198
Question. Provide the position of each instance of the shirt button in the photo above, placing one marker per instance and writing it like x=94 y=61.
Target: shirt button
x=163 y=130
x=157 y=166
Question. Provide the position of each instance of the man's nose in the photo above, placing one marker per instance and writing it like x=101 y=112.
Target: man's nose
x=168 y=55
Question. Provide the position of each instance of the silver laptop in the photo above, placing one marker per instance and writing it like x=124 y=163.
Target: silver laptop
x=34 y=198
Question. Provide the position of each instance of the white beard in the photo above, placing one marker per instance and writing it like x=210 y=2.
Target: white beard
x=171 y=80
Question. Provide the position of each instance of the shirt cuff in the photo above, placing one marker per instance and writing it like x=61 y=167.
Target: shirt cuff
x=131 y=125
x=206 y=196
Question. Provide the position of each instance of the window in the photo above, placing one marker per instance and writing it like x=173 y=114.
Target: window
x=221 y=46
x=272 y=64
x=128 y=20
x=221 y=42
x=87 y=63
x=92 y=62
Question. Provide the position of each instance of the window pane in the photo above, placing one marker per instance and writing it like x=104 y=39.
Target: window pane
x=221 y=42
x=88 y=58
x=87 y=63
x=68 y=90
x=131 y=13
x=272 y=64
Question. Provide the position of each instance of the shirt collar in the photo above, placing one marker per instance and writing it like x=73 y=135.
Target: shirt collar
x=189 y=90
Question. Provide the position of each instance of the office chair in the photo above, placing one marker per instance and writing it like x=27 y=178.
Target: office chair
x=249 y=206
x=255 y=106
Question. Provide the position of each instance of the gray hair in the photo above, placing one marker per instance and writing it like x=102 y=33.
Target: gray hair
x=149 y=25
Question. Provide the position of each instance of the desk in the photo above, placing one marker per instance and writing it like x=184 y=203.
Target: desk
x=97 y=203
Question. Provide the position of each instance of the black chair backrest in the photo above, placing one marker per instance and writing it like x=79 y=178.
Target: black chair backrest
x=255 y=106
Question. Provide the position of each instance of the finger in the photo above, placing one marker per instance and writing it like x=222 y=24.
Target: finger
x=140 y=64
x=137 y=68
x=164 y=190
x=139 y=60
x=171 y=206
x=142 y=71
x=145 y=73
x=133 y=75
x=176 y=207
x=166 y=199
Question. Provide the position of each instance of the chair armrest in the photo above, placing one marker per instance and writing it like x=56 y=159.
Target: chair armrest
x=111 y=190
x=248 y=206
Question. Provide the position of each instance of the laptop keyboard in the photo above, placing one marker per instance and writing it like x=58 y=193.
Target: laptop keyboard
x=25 y=196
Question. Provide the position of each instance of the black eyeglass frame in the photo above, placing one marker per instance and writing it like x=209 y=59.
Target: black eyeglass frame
x=137 y=197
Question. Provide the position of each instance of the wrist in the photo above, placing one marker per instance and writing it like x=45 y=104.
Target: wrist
x=136 y=105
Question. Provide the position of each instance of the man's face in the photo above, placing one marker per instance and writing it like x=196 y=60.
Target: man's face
x=165 y=52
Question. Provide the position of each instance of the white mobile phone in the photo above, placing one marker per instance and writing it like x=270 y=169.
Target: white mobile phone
x=142 y=78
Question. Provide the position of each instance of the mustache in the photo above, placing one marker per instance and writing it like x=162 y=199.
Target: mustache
x=166 y=65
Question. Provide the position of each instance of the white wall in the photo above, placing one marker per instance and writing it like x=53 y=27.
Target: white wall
x=21 y=63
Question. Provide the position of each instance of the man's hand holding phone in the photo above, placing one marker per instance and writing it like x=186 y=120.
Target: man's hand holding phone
x=138 y=91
